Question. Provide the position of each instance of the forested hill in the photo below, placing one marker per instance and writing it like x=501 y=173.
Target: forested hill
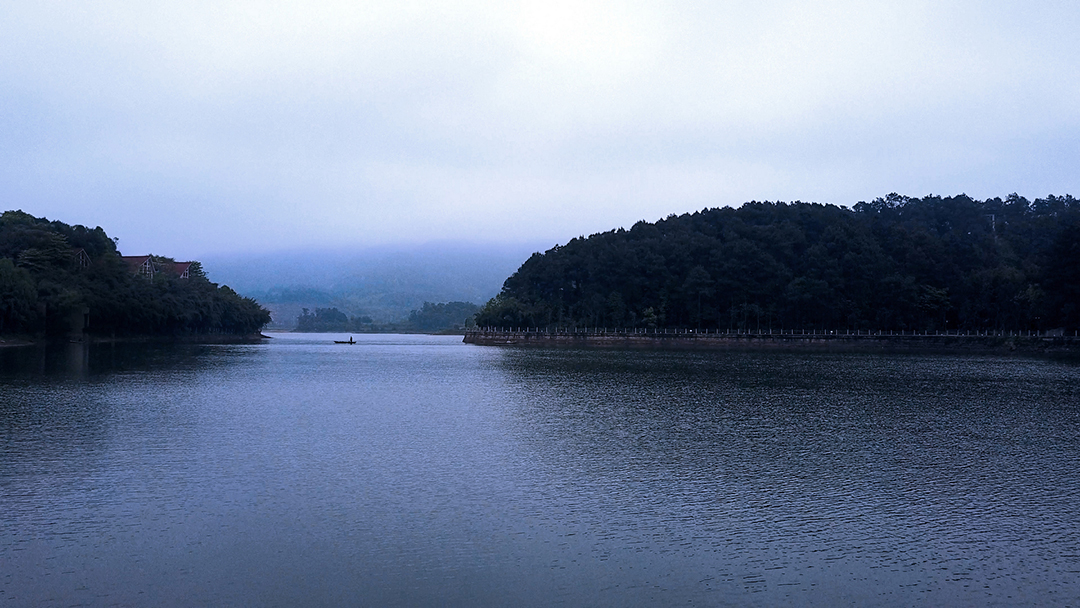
x=896 y=263
x=54 y=277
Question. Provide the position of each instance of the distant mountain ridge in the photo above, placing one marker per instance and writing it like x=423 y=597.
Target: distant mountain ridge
x=385 y=283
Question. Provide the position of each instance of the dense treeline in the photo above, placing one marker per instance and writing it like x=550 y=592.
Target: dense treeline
x=896 y=263
x=443 y=316
x=331 y=320
x=430 y=317
x=44 y=289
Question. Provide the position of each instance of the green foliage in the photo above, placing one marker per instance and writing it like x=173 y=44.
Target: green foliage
x=18 y=297
x=1062 y=284
x=196 y=271
x=444 y=316
x=504 y=311
x=330 y=320
x=896 y=263
x=430 y=318
x=324 y=319
x=41 y=286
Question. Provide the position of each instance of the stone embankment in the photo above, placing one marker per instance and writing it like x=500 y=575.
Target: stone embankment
x=1033 y=342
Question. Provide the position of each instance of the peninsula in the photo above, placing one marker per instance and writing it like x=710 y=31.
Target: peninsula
x=894 y=267
x=61 y=281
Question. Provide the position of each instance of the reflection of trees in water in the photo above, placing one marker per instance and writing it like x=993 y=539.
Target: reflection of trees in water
x=765 y=412
x=736 y=439
x=51 y=420
x=80 y=359
x=63 y=405
x=653 y=408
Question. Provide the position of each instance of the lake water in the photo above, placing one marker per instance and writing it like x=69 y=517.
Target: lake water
x=416 y=470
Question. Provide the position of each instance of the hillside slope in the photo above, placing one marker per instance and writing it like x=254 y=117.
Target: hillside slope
x=892 y=264
x=56 y=279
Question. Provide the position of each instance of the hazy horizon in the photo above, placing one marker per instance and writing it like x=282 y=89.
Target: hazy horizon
x=193 y=128
x=338 y=269
x=384 y=282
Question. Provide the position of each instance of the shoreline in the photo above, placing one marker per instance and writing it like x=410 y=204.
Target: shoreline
x=441 y=332
x=988 y=342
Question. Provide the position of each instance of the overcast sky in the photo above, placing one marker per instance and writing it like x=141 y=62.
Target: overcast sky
x=190 y=128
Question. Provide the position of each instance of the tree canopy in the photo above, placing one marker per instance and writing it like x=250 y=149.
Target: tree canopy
x=429 y=318
x=331 y=320
x=43 y=285
x=442 y=316
x=896 y=263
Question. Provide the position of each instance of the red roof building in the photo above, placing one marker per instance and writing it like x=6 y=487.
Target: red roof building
x=182 y=270
x=148 y=267
x=140 y=264
x=80 y=258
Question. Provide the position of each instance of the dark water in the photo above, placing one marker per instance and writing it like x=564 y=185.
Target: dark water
x=412 y=470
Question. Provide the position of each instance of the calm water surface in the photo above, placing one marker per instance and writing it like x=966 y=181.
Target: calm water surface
x=415 y=470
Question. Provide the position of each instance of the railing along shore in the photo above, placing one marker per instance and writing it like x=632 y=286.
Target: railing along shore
x=822 y=338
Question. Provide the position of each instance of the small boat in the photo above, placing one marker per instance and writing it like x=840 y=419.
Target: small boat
x=349 y=341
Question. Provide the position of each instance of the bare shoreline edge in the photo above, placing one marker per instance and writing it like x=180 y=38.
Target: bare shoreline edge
x=1019 y=345
x=24 y=341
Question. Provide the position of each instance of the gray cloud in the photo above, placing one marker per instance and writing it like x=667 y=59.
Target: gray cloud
x=189 y=128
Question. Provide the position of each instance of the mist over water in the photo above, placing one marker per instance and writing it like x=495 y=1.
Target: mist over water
x=410 y=470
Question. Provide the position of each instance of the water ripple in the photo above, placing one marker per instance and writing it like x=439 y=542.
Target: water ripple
x=416 y=470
